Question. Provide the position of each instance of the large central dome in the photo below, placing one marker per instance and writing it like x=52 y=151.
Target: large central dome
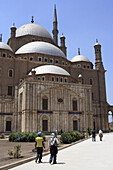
x=40 y=47
x=32 y=29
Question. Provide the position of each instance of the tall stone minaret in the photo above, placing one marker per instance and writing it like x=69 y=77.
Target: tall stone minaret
x=98 y=58
x=101 y=87
x=55 y=30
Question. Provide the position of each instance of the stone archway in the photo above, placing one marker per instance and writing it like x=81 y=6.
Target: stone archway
x=110 y=113
x=110 y=116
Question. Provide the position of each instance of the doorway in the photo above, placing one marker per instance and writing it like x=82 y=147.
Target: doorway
x=8 y=125
x=45 y=125
x=75 y=125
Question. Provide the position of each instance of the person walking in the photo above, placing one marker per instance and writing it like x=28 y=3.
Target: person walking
x=53 y=144
x=93 y=135
x=39 y=144
x=100 y=134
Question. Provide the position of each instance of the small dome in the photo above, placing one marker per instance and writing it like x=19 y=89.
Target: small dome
x=40 y=47
x=62 y=36
x=97 y=44
x=79 y=58
x=50 y=69
x=32 y=29
x=5 y=46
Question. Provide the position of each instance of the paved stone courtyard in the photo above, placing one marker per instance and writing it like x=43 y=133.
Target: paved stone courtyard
x=86 y=155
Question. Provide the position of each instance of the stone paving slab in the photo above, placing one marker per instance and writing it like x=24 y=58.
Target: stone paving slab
x=86 y=155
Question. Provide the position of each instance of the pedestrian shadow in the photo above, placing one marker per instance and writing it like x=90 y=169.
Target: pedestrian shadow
x=59 y=163
x=43 y=163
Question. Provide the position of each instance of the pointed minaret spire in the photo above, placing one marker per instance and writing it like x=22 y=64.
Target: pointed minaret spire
x=55 y=30
x=0 y=37
x=32 y=21
x=55 y=14
x=78 y=51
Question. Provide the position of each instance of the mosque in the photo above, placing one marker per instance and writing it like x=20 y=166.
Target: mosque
x=41 y=90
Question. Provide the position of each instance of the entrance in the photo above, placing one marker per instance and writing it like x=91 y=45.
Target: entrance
x=75 y=126
x=45 y=125
x=110 y=117
x=8 y=125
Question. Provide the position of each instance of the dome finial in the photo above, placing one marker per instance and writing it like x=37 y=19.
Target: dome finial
x=32 y=21
x=96 y=40
x=0 y=37
x=78 y=51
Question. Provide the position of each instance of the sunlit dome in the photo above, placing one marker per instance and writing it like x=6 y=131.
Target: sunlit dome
x=32 y=29
x=50 y=69
x=97 y=44
x=79 y=58
x=40 y=47
x=5 y=46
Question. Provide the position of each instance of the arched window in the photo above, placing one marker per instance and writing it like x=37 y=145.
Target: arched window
x=10 y=73
x=4 y=55
x=10 y=90
x=65 y=79
x=91 y=81
x=74 y=105
x=31 y=59
x=45 y=104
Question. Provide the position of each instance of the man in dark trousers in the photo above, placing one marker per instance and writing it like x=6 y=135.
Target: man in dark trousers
x=39 y=144
x=93 y=135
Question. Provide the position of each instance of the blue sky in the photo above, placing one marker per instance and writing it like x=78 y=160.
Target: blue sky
x=81 y=21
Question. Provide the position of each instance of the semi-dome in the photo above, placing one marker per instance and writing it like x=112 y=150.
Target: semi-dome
x=32 y=29
x=79 y=58
x=40 y=47
x=5 y=46
x=50 y=69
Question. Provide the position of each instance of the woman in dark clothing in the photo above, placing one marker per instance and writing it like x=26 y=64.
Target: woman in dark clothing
x=53 y=143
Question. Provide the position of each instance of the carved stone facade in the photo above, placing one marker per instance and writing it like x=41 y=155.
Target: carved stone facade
x=60 y=113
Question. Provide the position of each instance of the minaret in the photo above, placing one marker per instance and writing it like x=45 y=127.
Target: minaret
x=62 y=44
x=55 y=30
x=98 y=58
x=13 y=31
x=101 y=87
